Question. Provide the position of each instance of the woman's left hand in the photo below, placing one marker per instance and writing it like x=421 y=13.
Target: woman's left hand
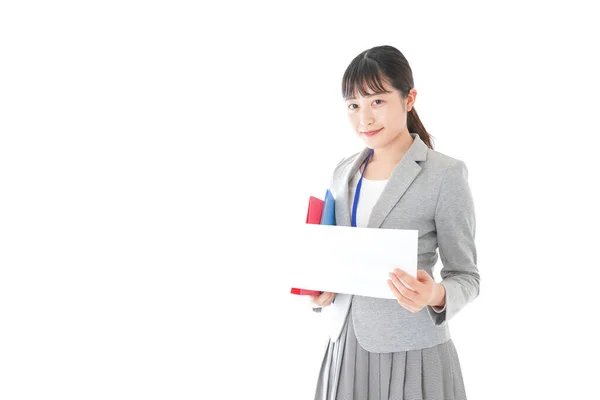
x=414 y=293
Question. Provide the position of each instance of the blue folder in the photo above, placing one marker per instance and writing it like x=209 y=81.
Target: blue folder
x=328 y=213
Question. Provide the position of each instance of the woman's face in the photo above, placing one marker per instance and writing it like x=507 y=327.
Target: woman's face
x=380 y=118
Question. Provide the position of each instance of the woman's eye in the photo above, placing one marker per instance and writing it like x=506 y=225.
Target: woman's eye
x=351 y=106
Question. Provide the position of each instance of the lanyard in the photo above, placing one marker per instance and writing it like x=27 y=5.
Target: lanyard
x=357 y=193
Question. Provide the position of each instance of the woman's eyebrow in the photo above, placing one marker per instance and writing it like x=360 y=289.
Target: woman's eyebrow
x=369 y=95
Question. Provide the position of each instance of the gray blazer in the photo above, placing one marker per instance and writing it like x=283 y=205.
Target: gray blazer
x=429 y=192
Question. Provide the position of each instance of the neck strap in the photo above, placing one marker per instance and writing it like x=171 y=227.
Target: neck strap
x=358 y=186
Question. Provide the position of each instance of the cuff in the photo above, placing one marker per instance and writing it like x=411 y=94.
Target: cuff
x=439 y=309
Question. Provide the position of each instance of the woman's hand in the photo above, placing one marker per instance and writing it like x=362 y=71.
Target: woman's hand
x=416 y=293
x=324 y=299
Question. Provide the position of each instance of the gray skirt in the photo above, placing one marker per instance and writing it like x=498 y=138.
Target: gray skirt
x=349 y=372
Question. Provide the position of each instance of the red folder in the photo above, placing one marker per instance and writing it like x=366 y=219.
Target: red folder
x=315 y=210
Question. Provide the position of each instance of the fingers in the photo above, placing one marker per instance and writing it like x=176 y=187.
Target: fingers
x=401 y=291
x=408 y=280
x=412 y=293
x=409 y=304
x=324 y=299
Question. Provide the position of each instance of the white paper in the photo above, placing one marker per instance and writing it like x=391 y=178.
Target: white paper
x=349 y=260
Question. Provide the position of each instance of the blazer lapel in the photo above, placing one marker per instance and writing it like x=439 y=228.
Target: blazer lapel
x=342 y=213
x=402 y=177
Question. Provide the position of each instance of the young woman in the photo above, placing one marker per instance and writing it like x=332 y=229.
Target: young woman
x=399 y=348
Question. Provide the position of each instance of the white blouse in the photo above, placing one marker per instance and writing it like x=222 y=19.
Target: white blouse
x=369 y=194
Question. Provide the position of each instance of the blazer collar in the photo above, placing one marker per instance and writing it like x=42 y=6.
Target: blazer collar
x=401 y=178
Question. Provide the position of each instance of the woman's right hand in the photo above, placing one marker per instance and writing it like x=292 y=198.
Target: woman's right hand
x=324 y=299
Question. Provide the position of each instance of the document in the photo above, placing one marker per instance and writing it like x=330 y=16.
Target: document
x=348 y=260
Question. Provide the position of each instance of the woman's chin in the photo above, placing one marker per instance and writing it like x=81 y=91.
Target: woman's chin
x=370 y=141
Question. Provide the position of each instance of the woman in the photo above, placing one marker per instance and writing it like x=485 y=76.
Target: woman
x=399 y=348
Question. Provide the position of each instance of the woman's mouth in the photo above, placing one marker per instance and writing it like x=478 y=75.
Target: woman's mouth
x=372 y=133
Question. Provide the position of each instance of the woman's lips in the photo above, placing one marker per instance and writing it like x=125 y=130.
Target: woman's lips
x=371 y=133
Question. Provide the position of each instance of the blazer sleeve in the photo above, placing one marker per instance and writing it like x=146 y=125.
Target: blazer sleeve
x=455 y=226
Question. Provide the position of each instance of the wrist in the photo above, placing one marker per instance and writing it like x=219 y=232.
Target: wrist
x=439 y=296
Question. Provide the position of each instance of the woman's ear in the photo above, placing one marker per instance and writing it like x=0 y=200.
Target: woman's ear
x=410 y=99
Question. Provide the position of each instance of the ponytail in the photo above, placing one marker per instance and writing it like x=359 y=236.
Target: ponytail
x=415 y=125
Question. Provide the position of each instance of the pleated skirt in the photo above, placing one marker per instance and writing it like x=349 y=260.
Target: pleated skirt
x=349 y=372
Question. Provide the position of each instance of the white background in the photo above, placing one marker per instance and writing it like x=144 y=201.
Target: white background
x=150 y=151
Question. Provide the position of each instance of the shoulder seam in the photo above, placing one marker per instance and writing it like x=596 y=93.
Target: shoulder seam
x=451 y=164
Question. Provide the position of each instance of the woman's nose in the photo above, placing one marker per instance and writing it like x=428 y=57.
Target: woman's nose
x=365 y=124
x=366 y=119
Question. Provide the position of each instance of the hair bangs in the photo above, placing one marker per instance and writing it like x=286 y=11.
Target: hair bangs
x=361 y=75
